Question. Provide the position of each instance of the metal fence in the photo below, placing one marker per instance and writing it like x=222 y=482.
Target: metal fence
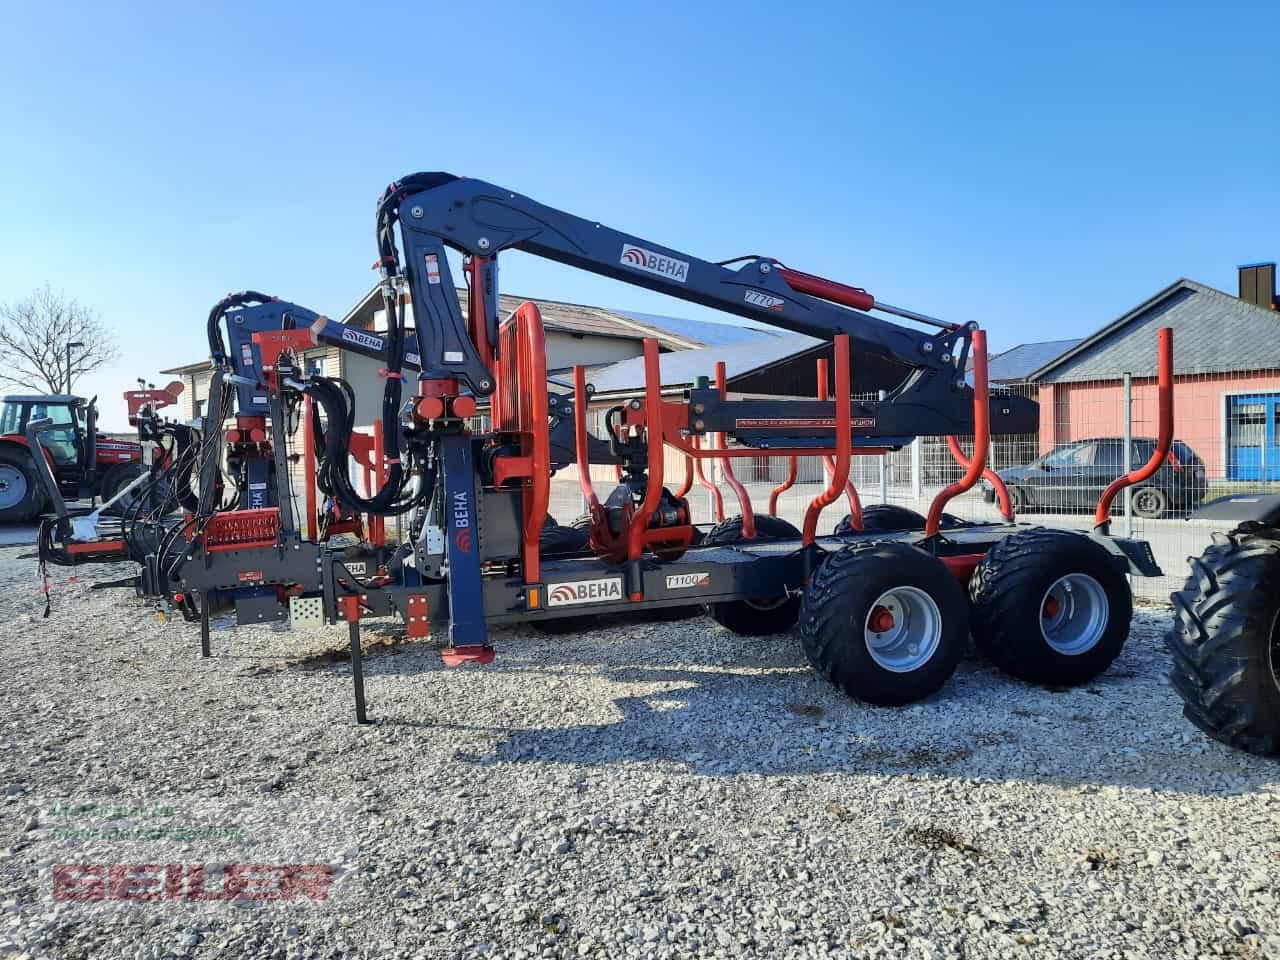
x=1226 y=440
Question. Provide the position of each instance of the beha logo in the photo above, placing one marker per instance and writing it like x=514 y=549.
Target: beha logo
x=656 y=263
x=585 y=591
x=462 y=522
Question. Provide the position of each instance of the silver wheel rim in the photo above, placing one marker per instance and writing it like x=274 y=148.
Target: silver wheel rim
x=13 y=486
x=1147 y=501
x=903 y=629
x=1073 y=614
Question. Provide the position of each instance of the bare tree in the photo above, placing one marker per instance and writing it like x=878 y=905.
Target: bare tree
x=48 y=341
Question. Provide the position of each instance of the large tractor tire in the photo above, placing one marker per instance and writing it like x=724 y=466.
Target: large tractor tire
x=1050 y=607
x=757 y=616
x=1225 y=642
x=891 y=518
x=21 y=497
x=115 y=480
x=884 y=622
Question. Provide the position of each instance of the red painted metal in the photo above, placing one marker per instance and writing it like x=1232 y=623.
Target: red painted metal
x=981 y=437
x=828 y=467
x=309 y=469
x=478 y=326
x=1164 y=435
x=744 y=498
x=242 y=529
x=688 y=478
x=832 y=290
x=417 y=622
x=989 y=475
x=349 y=608
x=457 y=656
x=378 y=524
x=463 y=407
x=99 y=546
x=427 y=409
x=520 y=405
x=843 y=443
x=783 y=487
x=696 y=456
x=580 y=437
x=962 y=565
x=653 y=481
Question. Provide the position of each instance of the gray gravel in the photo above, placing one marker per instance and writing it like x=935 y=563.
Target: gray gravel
x=638 y=790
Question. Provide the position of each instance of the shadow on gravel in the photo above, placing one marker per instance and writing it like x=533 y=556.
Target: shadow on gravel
x=787 y=722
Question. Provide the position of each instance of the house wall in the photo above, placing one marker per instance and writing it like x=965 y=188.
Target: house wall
x=1076 y=411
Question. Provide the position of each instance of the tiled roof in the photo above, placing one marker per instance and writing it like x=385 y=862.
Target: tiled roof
x=1213 y=332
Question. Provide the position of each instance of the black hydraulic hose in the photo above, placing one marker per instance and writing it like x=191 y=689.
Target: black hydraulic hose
x=217 y=346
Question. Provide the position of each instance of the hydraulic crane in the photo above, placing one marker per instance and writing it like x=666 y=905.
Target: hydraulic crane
x=883 y=615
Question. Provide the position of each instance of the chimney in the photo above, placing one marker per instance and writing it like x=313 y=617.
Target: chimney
x=1258 y=284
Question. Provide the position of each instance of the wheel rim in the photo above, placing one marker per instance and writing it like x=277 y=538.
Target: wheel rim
x=1147 y=501
x=903 y=629
x=13 y=486
x=766 y=603
x=1073 y=614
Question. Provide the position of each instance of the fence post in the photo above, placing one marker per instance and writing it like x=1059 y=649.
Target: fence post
x=1128 y=452
x=884 y=478
x=917 y=470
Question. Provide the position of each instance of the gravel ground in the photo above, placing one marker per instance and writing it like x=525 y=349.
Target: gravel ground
x=636 y=790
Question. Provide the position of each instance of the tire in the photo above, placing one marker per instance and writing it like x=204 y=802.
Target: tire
x=729 y=530
x=117 y=478
x=890 y=518
x=1050 y=607
x=21 y=498
x=1151 y=503
x=1225 y=643
x=555 y=540
x=1017 y=499
x=841 y=612
x=758 y=616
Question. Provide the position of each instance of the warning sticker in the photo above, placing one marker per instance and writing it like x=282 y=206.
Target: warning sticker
x=784 y=423
x=433 y=268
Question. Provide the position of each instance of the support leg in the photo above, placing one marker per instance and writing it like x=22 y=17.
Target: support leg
x=357 y=670
x=204 y=625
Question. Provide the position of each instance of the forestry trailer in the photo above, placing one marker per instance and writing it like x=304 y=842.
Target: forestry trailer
x=884 y=606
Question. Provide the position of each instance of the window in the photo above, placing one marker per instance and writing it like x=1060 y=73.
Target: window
x=313 y=365
x=1110 y=455
x=1077 y=455
x=10 y=415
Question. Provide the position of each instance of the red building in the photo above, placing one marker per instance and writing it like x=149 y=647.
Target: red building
x=1226 y=358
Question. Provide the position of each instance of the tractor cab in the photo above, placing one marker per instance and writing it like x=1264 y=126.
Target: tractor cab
x=67 y=439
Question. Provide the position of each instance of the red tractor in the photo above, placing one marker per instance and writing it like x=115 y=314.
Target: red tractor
x=84 y=465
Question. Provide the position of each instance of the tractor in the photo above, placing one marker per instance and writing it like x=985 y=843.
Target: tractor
x=84 y=465
x=1225 y=640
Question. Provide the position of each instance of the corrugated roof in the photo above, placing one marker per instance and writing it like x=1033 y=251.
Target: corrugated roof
x=1018 y=363
x=1213 y=332
x=680 y=369
x=706 y=332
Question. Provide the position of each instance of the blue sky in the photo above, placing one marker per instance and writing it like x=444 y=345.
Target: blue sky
x=1038 y=170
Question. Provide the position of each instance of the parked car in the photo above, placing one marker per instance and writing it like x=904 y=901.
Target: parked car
x=1071 y=477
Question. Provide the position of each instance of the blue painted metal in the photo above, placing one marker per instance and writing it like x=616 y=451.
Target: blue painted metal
x=462 y=536
x=437 y=212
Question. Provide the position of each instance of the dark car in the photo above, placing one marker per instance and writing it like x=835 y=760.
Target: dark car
x=1071 y=477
